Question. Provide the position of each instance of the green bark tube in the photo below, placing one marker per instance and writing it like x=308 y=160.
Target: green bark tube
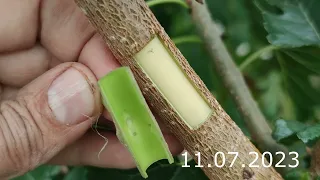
x=136 y=126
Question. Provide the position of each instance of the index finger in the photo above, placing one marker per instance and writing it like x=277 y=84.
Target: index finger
x=18 y=24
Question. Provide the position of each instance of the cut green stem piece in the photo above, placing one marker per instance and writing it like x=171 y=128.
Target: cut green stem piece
x=136 y=126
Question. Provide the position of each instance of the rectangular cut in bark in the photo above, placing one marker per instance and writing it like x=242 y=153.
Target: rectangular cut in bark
x=136 y=126
x=162 y=68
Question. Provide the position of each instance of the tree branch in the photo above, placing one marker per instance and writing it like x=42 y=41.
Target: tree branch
x=315 y=161
x=133 y=35
x=233 y=79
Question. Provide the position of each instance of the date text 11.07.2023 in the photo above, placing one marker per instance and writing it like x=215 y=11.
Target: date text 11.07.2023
x=219 y=159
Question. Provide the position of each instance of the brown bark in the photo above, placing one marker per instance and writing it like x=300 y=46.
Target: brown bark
x=126 y=27
x=315 y=160
x=232 y=78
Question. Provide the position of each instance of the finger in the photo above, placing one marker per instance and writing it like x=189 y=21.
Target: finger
x=18 y=24
x=104 y=121
x=54 y=62
x=47 y=115
x=19 y=68
x=114 y=155
x=162 y=126
x=8 y=93
x=64 y=29
x=104 y=61
x=86 y=150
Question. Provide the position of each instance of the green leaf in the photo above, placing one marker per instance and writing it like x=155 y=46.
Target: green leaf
x=274 y=2
x=298 y=175
x=182 y=25
x=77 y=173
x=274 y=99
x=298 y=25
x=301 y=149
x=152 y=3
x=310 y=133
x=317 y=113
x=27 y=176
x=45 y=172
x=299 y=66
x=286 y=128
x=306 y=56
x=270 y=99
x=158 y=171
x=231 y=108
x=279 y=3
x=197 y=56
x=238 y=24
x=234 y=18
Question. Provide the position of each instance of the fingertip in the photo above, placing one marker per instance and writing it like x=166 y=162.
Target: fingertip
x=92 y=150
x=175 y=146
x=97 y=56
x=107 y=115
x=99 y=150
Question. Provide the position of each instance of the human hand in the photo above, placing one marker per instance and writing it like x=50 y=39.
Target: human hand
x=50 y=60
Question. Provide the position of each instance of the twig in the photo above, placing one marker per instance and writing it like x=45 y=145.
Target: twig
x=315 y=161
x=255 y=55
x=234 y=81
x=186 y=39
x=157 y=2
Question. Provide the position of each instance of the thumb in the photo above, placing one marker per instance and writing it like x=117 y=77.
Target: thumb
x=47 y=115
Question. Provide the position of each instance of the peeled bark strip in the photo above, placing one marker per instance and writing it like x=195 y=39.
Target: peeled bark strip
x=127 y=27
x=136 y=127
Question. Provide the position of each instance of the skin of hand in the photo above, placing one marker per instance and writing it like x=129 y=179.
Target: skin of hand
x=50 y=60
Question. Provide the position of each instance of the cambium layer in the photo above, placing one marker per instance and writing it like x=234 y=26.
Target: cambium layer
x=127 y=27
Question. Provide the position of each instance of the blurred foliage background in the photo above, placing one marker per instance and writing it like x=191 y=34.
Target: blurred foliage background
x=276 y=45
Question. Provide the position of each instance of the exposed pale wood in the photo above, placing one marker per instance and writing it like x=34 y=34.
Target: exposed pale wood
x=127 y=26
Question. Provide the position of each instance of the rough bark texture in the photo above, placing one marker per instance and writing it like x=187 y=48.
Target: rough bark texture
x=235 y=83
x=127 y=26
x=315 y=161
